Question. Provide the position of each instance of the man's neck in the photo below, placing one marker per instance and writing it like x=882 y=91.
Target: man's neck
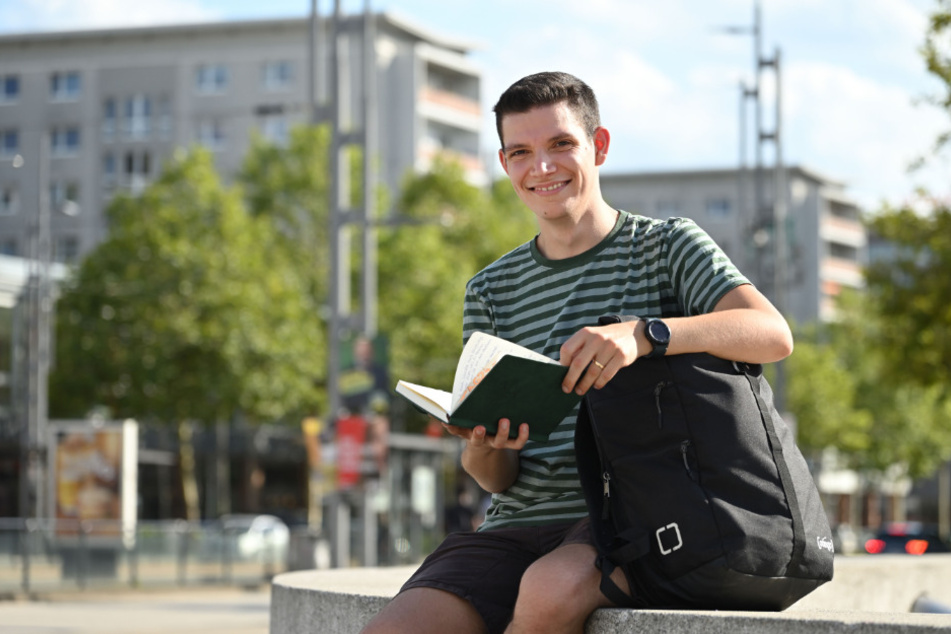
x=569 y=237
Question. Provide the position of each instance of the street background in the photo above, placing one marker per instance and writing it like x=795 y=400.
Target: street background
x=187 y=611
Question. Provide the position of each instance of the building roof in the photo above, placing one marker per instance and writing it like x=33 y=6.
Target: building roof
x=801 y=170
x=395 y=22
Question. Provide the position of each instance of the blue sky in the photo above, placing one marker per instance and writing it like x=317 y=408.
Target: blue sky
x=666 y=78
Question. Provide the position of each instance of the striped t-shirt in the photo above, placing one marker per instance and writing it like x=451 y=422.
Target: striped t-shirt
x=644 y=267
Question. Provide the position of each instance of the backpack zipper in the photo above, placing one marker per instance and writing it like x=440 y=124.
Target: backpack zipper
x=684 y=446
x=606 y=506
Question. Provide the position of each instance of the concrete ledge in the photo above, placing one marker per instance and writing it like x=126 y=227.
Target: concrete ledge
x=868 y=595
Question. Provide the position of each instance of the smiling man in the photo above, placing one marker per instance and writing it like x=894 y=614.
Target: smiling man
x=530 y=567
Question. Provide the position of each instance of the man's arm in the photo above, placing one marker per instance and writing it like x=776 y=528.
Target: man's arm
x=492 y=461
x=743 y=326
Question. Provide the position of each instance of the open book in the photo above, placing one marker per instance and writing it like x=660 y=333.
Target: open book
x=498 y=379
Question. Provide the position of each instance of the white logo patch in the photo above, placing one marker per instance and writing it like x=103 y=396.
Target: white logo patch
x=825 y=543
x=660 y=542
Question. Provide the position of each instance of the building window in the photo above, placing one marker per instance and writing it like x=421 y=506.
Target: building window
x=64 y=141
x=667 y=208
x=843 y=251
x=274 y=128
x=9 y=246
x=277 y=75
x=212 y=78
x=211 y=134
x=65 y=86
x=66 y=249
x=109 y=116
x=718 y=208
x=109 y=170
x=9 y=201
x=135 y=171
x=163 y=118
x=9 y=88
x=9 y=143
x=64 y=195
x=138 y=113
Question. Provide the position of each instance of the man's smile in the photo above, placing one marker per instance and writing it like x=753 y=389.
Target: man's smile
x=550 y=187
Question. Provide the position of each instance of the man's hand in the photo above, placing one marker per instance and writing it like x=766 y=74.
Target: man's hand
x=493 y=469
x=595 y=354
x=477 y=437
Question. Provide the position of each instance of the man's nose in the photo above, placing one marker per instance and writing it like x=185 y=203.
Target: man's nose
x=543 y=165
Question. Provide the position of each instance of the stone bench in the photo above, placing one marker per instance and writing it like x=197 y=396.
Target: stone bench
x=870 y=594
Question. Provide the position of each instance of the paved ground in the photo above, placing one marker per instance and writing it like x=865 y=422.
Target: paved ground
x=187 y=611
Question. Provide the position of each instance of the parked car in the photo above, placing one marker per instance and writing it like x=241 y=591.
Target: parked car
x=912 y=538
x=257 y=537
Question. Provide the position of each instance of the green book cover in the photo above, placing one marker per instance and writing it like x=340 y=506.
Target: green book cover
x=497 y=379
x=522 y=390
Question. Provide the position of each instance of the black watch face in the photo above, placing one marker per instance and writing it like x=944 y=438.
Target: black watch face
x=658 y=331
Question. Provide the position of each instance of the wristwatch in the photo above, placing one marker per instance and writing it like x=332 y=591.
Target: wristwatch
x=658 y=333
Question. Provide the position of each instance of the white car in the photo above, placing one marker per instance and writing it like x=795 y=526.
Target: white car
x=257 y=537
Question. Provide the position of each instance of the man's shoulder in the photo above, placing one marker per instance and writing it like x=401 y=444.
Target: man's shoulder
x=512 y=261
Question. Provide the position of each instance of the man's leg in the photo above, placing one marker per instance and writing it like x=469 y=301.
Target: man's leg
x=426 y=611
x=559 y=591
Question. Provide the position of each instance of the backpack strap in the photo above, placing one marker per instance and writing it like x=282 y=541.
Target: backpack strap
x=776 y=447
x=632 y=546
x=608 y=588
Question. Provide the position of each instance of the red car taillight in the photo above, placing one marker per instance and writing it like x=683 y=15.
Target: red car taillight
x=874 y=546
x=916 y=546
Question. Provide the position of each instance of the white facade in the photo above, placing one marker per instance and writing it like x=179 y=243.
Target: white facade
x=111 y=105
x=826 y=240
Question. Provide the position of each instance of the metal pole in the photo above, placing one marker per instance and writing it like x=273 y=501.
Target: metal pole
x=311 y=64
x=779 y=233
x=370 y=274
x=337 y=263
x=758 y=160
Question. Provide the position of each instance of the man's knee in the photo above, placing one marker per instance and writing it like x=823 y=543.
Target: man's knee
x=564 y=592
x=423 y=610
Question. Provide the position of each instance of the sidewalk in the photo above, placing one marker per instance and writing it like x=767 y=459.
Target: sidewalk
x=182 y=611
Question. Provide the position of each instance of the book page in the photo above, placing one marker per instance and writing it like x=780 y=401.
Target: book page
x=480 y=354
x=435 y=402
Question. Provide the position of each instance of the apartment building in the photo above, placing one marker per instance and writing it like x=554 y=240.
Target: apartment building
x=86 y=114
x=826 y=242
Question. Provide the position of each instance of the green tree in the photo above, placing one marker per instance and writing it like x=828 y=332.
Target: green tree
x=907 y=419
x=186 y=312
x=822 y=393
x=445 y=230
x=910 y=290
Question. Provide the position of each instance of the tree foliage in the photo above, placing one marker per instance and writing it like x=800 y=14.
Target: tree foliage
x=445 y=231
x=189 y=310
x=910 y=290
x=937 y=59
x=206 y=299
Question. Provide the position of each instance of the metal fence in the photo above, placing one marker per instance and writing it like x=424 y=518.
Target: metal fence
x=47 y=555
x=390 y=520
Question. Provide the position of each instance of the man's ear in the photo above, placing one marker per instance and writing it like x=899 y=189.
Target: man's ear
x=602 y=141
x=503 y=162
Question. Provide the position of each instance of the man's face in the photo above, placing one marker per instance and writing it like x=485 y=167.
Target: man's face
x=552 y=162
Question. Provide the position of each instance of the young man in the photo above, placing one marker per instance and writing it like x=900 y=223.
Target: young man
x=530 y=567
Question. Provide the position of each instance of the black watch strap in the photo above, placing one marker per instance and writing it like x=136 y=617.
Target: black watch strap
x=658 y=333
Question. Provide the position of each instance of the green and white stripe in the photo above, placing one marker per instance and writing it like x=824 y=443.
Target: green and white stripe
x=645 y=267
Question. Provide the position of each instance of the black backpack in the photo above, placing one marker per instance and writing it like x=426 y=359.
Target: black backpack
x=696 y=489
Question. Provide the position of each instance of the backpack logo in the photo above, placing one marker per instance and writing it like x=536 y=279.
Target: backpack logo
x=666 y=531
x=825 y=543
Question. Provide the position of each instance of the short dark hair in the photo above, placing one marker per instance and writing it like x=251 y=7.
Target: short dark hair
x=545 y=89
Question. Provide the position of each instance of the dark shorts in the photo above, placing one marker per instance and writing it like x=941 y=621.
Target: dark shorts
x=485 y=568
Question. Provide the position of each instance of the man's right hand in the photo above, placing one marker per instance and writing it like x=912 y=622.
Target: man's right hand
x=478 y=438
x=494 y=470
